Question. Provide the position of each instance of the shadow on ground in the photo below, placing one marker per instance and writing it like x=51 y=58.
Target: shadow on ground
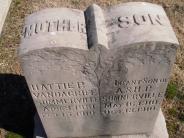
x=16 y=106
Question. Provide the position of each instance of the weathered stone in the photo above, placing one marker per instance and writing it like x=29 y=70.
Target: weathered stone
x=142 y=49
x=100 y=73
x=159 y=130
x=55 y=63
x=4 y=7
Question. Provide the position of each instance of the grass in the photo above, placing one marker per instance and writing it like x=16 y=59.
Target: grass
x=171 y=91
x=13 y=135
x=173 y=105
x=174 y=110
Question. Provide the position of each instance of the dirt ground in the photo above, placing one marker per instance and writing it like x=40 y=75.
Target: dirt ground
x=173 y=105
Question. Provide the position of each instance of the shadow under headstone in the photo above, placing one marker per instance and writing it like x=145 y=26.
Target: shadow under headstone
x=16 y=106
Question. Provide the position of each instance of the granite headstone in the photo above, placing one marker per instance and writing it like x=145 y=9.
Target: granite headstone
x=98 y=72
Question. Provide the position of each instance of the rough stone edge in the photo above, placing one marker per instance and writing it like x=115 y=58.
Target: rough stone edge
x=133 y=3
x=152 y=5
x=33 y=18
x=95 y=26
x=95 y=22
x=4 y=7
x=159 y=131
x=45 y=10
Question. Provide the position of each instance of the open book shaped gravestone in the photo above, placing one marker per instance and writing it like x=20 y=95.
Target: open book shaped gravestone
x=98 y=72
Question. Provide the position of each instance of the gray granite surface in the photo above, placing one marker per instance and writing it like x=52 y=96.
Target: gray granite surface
x=98 y=72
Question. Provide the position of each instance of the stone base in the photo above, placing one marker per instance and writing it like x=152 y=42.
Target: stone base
x=159 y=131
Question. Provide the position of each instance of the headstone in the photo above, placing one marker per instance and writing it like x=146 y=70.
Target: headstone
x=4 y=7
x=159 y=130
x=98 y=72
